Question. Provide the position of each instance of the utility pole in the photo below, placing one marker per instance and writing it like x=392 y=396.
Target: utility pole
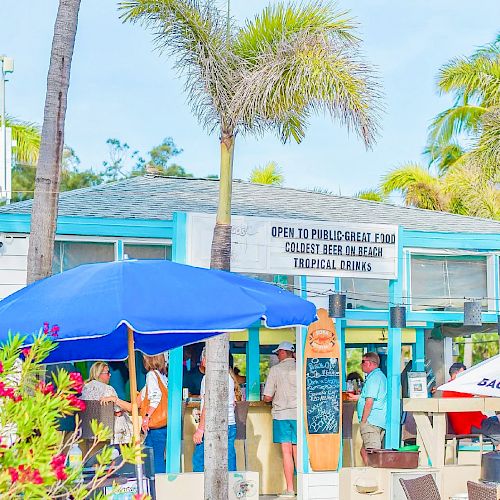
x=7 y=67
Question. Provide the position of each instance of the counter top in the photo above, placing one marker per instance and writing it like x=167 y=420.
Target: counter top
x=251 y=404
x=444 y=405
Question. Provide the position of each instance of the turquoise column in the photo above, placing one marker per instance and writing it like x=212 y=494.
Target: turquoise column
x=419 y=354
x=393 y=431
x=340 y=325
x=300 y=368
x=174 y=428
x=253 y=364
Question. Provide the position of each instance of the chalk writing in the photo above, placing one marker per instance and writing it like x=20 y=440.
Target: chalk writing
x=323 y=395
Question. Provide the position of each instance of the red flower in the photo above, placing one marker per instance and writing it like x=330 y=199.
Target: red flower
x=8 y=392
x=1 y=367
x=76 y=403
x=45 y=328
x=57 y=465
x=55 y=331
x=26 y=351
x=76 y=381
x=36 y=477
x=58 y=460
x=14 y=475
x=45 y=388
x=140 y=496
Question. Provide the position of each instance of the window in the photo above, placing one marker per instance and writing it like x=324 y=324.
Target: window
x=162 y=252
x=70 y=254
x=364 y=293
x=441 y=283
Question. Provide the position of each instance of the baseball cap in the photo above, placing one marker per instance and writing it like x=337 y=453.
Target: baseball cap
x=285 y=346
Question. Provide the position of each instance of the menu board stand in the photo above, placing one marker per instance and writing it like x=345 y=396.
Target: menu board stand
x=323 y=394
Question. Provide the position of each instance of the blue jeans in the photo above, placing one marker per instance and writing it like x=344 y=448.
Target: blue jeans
x=157 y=439
x=199 y=452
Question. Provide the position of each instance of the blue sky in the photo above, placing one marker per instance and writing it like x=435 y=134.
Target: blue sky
x=121 y=88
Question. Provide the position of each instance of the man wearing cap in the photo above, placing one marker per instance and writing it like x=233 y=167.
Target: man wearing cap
x=471 y=422
x=281 y=390
x=372 y=404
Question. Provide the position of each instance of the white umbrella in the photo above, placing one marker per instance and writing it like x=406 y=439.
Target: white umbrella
x=482 y=379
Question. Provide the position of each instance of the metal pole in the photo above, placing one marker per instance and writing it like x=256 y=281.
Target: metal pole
x=4 y=130
x=135 y=411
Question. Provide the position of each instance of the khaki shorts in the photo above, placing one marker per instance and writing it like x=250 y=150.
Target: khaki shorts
x=371 y=435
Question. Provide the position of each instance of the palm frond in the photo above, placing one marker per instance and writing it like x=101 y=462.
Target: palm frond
x=453 y=121
x=27 y=137
x=472 y=191
x=280 y=21
x=472 y=78
x=301 y=70
x=486 y=151
x=417 y=185
x=443 y=155
x=194 y=34
x=372 y=195
x=268 y=174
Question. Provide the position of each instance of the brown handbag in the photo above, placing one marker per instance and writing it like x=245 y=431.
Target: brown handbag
x=158 y=418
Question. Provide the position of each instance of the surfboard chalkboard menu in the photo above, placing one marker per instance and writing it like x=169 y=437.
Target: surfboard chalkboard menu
x=322 y=395
x=321 y=383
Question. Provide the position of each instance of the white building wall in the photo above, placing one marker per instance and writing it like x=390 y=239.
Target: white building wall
x=13 y=263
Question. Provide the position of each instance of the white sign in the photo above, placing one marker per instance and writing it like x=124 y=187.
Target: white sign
x=299 y=247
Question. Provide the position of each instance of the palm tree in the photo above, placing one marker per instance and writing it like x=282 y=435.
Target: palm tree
x=417 y=185
x=27 y=138
x=268 y=174
x=465 y=189
x=271 y=74
x=474 y=82
x=48 y=174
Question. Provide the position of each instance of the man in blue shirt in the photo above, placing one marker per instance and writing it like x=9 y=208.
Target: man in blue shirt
x=372 y=404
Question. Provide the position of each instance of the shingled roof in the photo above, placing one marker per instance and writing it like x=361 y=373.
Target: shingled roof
x=156 y=197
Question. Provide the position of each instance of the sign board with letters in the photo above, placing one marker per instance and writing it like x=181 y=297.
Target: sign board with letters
x=299 y=247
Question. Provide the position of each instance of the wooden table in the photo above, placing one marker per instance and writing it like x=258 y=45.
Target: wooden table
x=431 y=436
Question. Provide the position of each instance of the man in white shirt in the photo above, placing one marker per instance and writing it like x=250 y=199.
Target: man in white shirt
x=199 y=450
x=281 y=389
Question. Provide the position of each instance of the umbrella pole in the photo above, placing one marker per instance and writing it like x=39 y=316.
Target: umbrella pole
x=135 y=410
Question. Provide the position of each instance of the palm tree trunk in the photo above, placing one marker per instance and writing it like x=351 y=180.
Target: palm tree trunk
x=216 y=386
x=48 y=173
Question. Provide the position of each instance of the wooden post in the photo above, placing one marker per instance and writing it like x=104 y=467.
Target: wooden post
x=135 y=409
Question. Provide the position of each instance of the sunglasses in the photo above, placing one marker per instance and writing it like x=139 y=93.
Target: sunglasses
x=105 y=373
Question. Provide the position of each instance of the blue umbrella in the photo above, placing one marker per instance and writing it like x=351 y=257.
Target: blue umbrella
x=105 y=311
x=164 y=304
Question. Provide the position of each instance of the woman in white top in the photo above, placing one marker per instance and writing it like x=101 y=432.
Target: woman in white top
x=156 y=438
x=96 y=388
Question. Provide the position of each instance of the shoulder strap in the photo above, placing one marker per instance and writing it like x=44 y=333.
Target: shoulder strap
x=161 y=385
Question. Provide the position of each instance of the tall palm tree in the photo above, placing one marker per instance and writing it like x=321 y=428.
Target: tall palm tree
x=26 y=136
x=48 y=174
x=474 y=82
x=268 y=174
x=272 y=74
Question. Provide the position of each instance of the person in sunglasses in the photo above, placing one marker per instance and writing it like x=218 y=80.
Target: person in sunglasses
x=372 y=404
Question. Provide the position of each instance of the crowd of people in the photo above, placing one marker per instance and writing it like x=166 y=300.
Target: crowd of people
x=280 y=390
